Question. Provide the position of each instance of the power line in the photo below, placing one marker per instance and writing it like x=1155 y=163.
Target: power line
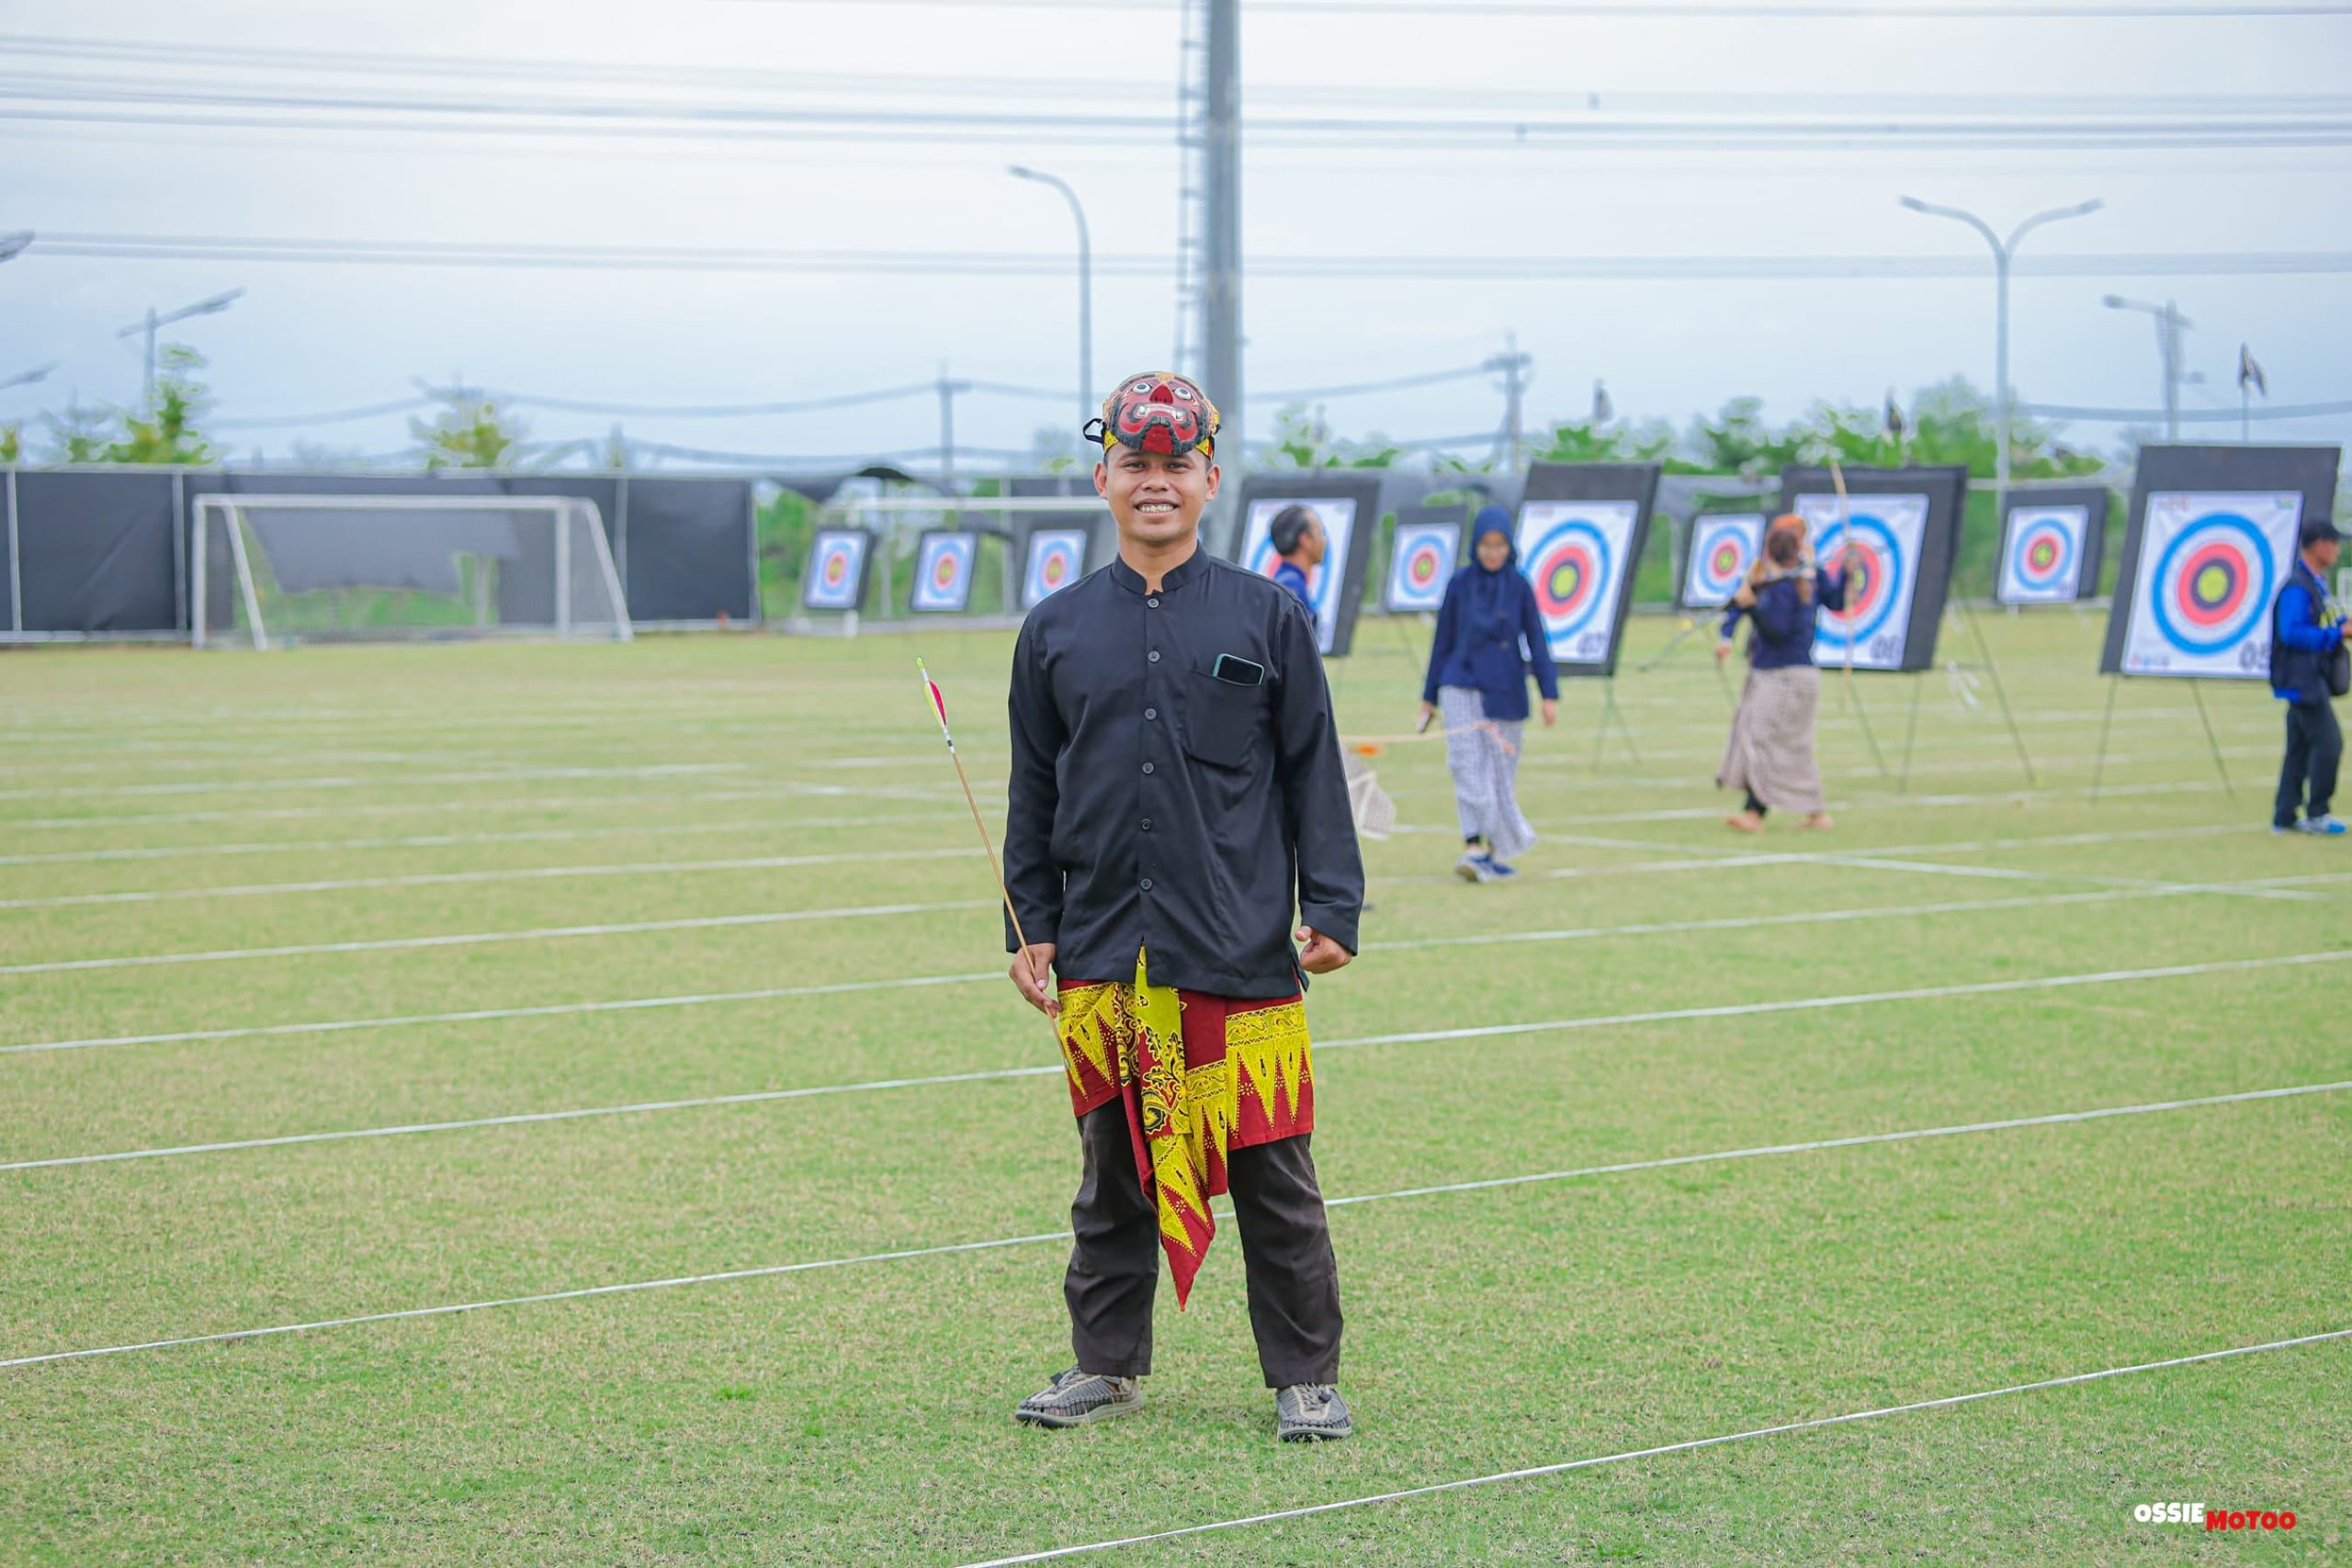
x=2186 y=416
x=509 y=68
x=500 y=254
x=507 y=115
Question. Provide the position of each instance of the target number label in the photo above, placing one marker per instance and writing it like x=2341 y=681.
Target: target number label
x=2211 y=564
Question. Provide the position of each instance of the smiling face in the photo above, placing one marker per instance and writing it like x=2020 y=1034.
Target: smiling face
x=1493 y=551
x=1156 y=500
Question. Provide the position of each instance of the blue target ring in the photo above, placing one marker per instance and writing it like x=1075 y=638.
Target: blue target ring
x=1886 y=587
x=1569 y=569
x=2212 y=535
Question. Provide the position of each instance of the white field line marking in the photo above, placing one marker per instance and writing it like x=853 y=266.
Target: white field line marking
x=1662 y=1450
x=1859 y=999
x=511 y=873
x=371 y=780
x=345 y=812
x=1864 y=858
x=1617 y=1169
x=471 y=939
x=1739 y=922
x=994 y=1074
x=452 y=841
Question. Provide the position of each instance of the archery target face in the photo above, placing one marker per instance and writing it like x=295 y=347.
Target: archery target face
x=836 y=569
x=1575 y=554
x=1723 y=547
x=1423 y=565
x=2210 y=563
x=1876 y=620
x=1056 y=560
x=1339 y=518
x=2043 y=561
x=944 y=570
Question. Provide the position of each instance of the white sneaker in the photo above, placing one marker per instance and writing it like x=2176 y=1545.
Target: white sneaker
x=1473 y=867
x=2327 y=827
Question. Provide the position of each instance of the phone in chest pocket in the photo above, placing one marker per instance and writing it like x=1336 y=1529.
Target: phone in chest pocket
x=1237 y=671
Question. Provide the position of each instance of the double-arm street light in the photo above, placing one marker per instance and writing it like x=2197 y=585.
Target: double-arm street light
x=212 y=307
x=1086 y=388
x=2002 y=251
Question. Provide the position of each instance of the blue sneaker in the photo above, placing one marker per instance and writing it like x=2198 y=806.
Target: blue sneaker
x=2326 y=827
x=1501 y=872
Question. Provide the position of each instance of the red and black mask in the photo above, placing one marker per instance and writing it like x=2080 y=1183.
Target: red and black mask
x=1160 y=413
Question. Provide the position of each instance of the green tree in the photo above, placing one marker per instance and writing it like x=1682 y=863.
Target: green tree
x=12 y=443
x=165 y=431
x=77 y=435
x=466 y=432
x=1301 y=442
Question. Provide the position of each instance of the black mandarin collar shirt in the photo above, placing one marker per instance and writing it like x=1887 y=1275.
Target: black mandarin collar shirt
x=1156 y=805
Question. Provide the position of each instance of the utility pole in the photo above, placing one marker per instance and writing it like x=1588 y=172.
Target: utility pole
x=1221 y=226
x=1513 y=366
x=2170 y=323
x=949 y=388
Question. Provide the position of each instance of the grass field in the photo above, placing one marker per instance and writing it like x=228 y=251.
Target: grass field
x=369 y=917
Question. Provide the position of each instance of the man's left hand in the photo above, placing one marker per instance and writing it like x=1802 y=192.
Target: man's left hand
x=1321 y=954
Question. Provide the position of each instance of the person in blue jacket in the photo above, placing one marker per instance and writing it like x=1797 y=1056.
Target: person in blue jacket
x=2306 y=629
x=1771 y=753
x=1488 y=633
x=1297 y=534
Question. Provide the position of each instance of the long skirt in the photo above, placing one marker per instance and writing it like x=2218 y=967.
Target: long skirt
x=1483 y=756
x=1771 y=752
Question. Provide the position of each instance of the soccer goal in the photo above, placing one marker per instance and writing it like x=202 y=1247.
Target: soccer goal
x=271 y=570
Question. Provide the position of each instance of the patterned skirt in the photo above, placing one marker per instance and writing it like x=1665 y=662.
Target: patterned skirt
x=1200 y=1076
x=1482 y=754
x=1771 y=752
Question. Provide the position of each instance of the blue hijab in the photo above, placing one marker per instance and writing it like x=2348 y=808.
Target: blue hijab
x=1490 y=603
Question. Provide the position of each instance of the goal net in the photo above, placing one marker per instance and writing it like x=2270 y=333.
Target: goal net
x=275 y=569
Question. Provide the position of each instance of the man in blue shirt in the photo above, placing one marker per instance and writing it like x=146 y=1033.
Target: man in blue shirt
x=2306 y=633
x=1298 y=539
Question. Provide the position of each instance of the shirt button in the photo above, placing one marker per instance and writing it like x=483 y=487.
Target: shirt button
x=1153 y=602
x=1155 y=656
x=1151 y=713
x=1147 y=883
x=1147 y=767
x=1146 y=824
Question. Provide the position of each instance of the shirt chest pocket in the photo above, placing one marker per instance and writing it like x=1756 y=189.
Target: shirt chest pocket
x=1223 y=721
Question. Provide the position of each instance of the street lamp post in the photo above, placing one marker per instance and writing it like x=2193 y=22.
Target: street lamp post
x=212 y=307
x=13 y=245
x=26 y=377
x=2169 y=325
x=1086 y=391
x=2002 y=251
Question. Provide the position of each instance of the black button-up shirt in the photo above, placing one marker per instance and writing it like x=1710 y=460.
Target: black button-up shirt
x=1155 y=805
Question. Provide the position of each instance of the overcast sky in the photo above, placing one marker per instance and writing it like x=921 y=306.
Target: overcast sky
x=315 y=337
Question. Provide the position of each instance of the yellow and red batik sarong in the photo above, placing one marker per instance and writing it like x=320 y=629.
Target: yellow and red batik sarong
x=1200 y=1076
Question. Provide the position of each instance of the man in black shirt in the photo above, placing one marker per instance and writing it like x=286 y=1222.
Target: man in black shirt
x=1176 y=788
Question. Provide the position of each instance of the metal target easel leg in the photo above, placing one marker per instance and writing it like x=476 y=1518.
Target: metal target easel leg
x=2105 y=723
x=2212 y=742
x=2000 y=696
x=1911 y=731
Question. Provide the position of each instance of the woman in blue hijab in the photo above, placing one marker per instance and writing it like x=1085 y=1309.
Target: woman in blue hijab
x=1488 y=634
